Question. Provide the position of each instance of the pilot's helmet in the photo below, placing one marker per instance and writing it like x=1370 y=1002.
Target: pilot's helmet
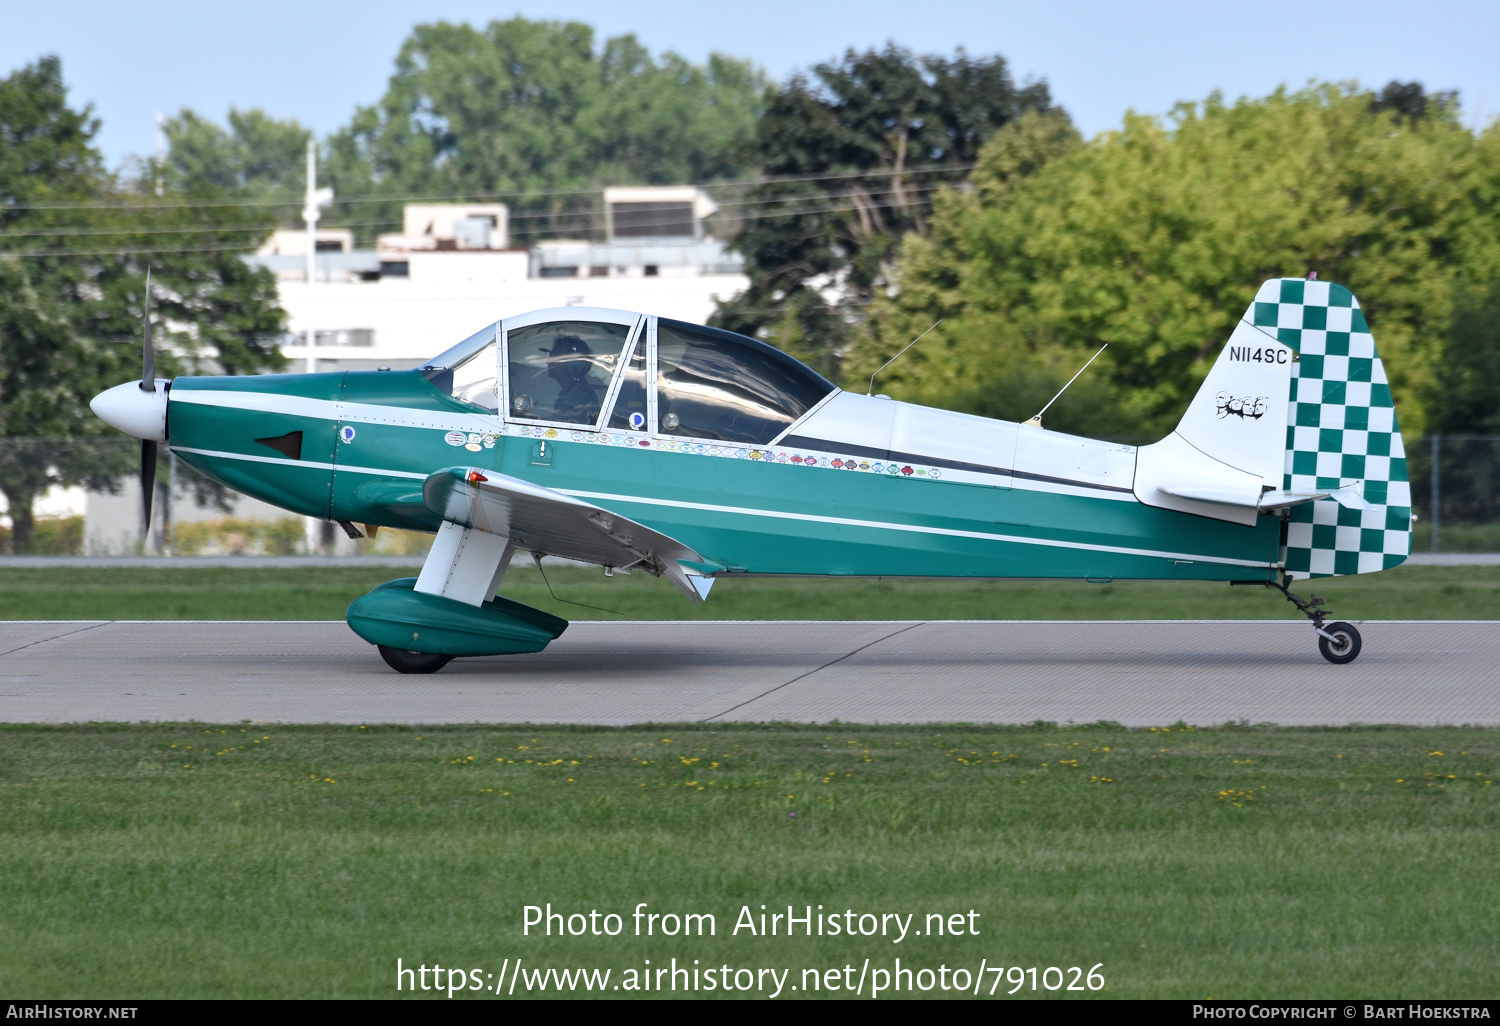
x=565 y=346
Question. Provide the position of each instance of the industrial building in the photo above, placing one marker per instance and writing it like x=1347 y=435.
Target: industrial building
x=454 y=268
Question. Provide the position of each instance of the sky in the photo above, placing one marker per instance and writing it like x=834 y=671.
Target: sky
x=315 y=61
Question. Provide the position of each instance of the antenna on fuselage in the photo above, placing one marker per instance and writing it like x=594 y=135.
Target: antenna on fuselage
x=1037 y=420
x=893 y=359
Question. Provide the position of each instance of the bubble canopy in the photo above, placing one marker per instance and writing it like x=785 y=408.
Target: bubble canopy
x=612 y=370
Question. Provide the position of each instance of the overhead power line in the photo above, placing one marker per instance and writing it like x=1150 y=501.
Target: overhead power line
x=243 y=249
x=487 y=196
x=582 y=220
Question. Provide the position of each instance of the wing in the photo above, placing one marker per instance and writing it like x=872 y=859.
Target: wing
x=550 y=522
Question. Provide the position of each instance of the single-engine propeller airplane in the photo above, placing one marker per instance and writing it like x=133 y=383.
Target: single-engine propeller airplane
x=636 y=442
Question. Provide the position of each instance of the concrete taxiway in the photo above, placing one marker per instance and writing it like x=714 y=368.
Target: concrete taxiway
x=1135 y=672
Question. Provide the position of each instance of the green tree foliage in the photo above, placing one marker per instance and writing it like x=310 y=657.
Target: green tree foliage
x=1465 y=393
x=1154 y=238
x=74 y=247
x=257 y=157
x=534 y=107
x=1410 y=102
x=853 y=155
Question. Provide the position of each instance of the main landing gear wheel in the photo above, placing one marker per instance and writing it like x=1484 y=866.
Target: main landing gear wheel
x=1342 y=646
x=403 y=661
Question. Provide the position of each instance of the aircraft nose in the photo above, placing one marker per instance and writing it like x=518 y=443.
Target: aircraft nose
x=126 y=408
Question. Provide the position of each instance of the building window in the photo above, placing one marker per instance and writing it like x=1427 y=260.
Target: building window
x=559 y=272
x=395 y=269
x=652 y=270
x=652 y=220
x=344 y=337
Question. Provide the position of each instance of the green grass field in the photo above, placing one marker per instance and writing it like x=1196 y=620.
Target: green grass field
x=322 y=593
x=178 y=861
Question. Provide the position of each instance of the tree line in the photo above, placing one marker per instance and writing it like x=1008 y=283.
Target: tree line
x=871 y=196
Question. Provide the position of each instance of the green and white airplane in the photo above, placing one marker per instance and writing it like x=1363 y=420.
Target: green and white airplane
x=641 y=443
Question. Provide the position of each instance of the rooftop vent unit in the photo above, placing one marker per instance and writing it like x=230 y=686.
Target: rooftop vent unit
x=657 y=212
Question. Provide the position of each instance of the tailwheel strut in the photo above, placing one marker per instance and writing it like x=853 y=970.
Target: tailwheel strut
x=1338 y=642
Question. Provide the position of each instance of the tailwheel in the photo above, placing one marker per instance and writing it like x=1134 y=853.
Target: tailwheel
x=1339 y=642
x=403 y=661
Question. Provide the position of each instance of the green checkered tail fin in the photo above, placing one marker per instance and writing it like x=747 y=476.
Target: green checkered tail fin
x=1341 y=434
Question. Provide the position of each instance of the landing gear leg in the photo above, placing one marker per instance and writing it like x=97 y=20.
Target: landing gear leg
x=1339 y=642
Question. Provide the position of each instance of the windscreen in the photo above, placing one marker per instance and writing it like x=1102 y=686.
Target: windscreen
x=477 y=379
x=441 y=369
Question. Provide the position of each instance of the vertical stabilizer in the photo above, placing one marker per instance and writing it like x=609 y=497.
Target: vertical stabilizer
x=1240 y=410
x=1296 y=416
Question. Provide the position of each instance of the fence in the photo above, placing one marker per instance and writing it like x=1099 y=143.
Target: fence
x=1455 y=484
x=88 y=502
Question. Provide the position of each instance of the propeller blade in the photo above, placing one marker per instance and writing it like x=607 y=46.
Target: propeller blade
x=148 y=480
x=148 y=355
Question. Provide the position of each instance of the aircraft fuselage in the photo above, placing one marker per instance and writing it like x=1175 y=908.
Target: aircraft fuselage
x=834 y=497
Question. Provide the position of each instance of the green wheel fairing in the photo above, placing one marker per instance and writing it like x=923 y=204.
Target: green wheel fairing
x=398 y=617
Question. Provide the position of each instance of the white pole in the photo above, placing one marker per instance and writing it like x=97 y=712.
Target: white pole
x=310 y=214
x=161 y=150
x=310 y=211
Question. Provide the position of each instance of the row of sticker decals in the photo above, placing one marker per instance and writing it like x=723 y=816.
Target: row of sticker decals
x=728 y=451
x=472 y=440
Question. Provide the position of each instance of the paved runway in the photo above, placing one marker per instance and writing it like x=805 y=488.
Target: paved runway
x=1136 y=672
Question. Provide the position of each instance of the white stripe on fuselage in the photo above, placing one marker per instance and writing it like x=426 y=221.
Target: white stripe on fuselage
x=949 y=532
x=914 y=528
x=338 y=411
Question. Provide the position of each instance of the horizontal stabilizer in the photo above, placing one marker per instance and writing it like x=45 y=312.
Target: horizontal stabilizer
x=1266 y=502
x=545 y=521
x=1283 y=499
x=1173 y=474
x=1207 y=493
x=1350 y=497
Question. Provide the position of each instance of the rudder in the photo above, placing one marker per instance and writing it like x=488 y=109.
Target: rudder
x=1341 y=429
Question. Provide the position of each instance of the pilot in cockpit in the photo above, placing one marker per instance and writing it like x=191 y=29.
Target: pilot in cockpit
x=568 y=363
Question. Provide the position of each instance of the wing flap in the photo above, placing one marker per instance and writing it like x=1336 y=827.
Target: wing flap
x=545 y=521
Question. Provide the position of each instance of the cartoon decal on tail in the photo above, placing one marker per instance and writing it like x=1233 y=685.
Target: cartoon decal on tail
x=1341 y=433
